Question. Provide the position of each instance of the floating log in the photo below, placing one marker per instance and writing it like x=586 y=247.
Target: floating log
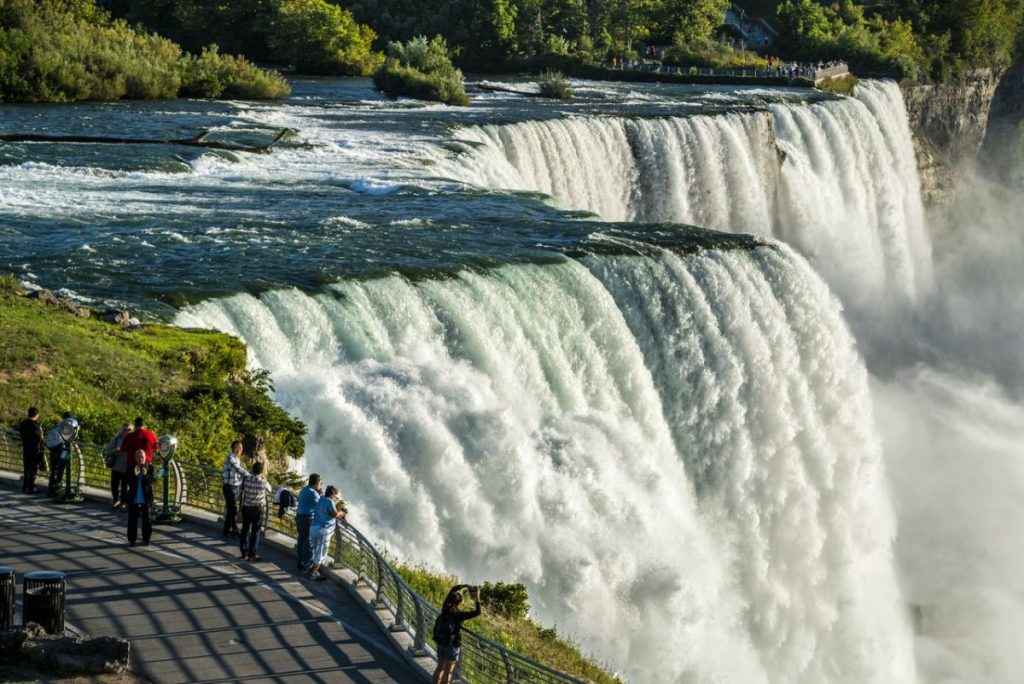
x=501 y=89
x=198 y=141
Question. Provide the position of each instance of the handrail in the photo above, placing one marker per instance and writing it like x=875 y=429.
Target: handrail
x=197 y=485
x=806 y=71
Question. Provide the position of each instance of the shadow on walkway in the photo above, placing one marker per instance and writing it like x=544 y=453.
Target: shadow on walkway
x=193 y=611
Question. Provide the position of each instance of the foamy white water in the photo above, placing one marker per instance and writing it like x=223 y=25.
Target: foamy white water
x=675 y=454
x=836 y=179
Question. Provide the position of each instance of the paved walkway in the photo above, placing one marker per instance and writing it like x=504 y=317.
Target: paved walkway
x=193 y=611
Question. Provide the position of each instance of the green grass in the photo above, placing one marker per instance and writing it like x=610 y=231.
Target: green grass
x=191 y=383
x=523 y=635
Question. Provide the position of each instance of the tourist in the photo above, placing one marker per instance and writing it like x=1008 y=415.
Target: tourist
x=140 y=438
x=284 y=499
x=254 y=501
x=325 y=517
x=308 y=497
x=56 y=446
x=31 y=450
x=140 y=497
x=117 y=461
x=231 y=479
x=448 y=631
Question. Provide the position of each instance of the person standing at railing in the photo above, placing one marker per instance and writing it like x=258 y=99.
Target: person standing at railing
x=308 y=498
x=325 y=518
x=55 y=445
x=117 y=461
x=447 y=631
x=231 y=480
x=254 y=501
x=140 y=497
x=31 y=433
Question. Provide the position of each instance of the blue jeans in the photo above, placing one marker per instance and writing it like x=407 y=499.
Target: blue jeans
x=303 y=549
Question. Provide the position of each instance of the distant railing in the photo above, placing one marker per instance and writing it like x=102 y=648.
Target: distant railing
x=810 y=72
x=199 y=486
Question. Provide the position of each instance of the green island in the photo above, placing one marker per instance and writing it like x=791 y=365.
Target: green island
x=195 y=384
x=70 y=50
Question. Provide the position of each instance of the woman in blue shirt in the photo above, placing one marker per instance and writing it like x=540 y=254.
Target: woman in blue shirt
x=325 y=516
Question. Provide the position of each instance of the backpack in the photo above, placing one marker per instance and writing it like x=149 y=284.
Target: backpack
x=53 y=438
x=444 y=630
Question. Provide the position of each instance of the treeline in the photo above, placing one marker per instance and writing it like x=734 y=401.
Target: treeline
x=914 y=39
x=70 y=50
x=341 y=36
x=310 y=36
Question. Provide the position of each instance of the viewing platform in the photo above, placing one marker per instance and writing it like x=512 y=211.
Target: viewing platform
x=790 y=74
x=192 y=610
x=195 y=612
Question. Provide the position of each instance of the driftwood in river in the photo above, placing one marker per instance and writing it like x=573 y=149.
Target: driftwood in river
x=198 y=141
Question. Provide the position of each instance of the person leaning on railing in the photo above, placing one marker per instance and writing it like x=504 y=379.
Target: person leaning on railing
x=308 y=498
x=117 y=461
x=325 y=517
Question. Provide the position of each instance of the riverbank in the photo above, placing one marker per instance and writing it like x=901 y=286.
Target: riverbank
x=193 y=383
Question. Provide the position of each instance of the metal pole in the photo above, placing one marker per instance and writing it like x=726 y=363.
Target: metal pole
x=168 y=514
x=68 y=432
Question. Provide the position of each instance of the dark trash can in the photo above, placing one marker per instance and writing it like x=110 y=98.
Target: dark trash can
x=6 y=597
x=43 y=602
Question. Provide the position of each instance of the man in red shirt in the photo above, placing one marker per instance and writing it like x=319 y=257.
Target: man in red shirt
x=139 y=438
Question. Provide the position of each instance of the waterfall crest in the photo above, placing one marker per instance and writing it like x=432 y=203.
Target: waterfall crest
x=674 y=452
x=836 y=179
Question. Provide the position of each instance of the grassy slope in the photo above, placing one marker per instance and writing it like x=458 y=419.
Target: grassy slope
x=188 y=382
x=522 y=635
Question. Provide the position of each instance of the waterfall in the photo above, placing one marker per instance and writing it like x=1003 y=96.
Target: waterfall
x=674 y=452
x=836 y=179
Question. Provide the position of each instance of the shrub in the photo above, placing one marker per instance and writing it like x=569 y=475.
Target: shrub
x=320 y=38
x=213 y=75
x=422 y=69
x=554 y=85
x=508 y=600
x=55 y=51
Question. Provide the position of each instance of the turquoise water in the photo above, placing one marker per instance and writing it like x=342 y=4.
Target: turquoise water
x=363 y=188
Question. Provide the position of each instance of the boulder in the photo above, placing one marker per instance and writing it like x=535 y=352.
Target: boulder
x=117 y=317
x=83 y=655
x=43 y=296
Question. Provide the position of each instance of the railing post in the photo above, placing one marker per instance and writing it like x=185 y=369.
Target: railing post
x=419 y=639
x=378 y=600
x=510 y=674
x=398 y=625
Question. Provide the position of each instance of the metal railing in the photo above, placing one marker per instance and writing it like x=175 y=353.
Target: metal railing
x=809 y=72
x=199 y=486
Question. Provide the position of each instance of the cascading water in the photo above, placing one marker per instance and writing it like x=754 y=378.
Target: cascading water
x=674 y=452
x=835 y=179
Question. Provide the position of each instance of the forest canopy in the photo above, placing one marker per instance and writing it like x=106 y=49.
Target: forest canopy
x=69 y=50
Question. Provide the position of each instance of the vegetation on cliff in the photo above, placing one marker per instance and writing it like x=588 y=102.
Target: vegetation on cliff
x=69 y=50
x=311 y=36
x=421 y=68
x=191 y=383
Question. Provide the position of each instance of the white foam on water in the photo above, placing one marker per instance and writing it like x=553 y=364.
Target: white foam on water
x=520 y=424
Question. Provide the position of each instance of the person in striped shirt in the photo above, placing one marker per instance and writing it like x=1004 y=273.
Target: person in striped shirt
x=231 y=478
x=254 y=501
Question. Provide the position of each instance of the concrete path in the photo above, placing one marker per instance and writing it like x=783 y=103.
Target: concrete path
x=193 y=611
